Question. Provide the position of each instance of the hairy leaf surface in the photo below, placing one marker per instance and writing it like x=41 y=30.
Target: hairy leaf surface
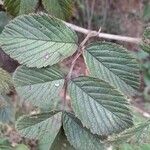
x=113 y=64
x=60 y=8
x=100 y=107
x=78 y=136
x=44 y=127
x=38 y=40
x=39 y=86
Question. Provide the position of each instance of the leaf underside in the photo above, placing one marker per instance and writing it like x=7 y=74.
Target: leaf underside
x=113 y=64
x=79 y=136
x=41 y=87
x=100 y=107
x=38 y=40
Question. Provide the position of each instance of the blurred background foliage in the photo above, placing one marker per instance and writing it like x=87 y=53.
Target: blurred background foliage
x=127 y=17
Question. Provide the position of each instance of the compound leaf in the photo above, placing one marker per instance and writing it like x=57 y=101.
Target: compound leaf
x=39 y=86
x=78 y=136
x=100 y=107
x=113 y=64
x=19 y=7
x=38 y=40
x=43 y=127
x=60 y=8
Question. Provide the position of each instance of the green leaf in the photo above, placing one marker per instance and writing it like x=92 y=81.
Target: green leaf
x=43 y=127
x=41 y=87
x=38 y=40
x=61 y=142
x=100 y=107
x=3 y=21
x=59 y=8
x=79 y=136
x=145 y=45
x=19 y=7
x=7 y=114
x=137 y=134
x=6 y=84
x=113 y=64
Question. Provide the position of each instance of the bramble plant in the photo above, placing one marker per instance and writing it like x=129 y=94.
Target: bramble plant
x=99 y=114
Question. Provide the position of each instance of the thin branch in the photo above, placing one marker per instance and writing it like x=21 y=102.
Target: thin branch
x=78 y=54
x=104 y=35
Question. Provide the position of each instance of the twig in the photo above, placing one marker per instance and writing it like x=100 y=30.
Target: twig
x=104 y=35
x=78 y=54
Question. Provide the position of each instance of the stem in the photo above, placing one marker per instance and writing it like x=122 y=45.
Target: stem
x=104 y=35
x=78 y=54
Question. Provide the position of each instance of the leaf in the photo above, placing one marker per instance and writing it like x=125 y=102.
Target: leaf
x=4 y=20
x=7 y=114
x=112 y=63
x=59 y=8
x=100 y=107
x=44 y=127
x=63 y=142
x=41 y=87
x=38 y=40
x=145 y=45
x=138 y=134
x=19 y=7
x=6 y=84
x=79 y=136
